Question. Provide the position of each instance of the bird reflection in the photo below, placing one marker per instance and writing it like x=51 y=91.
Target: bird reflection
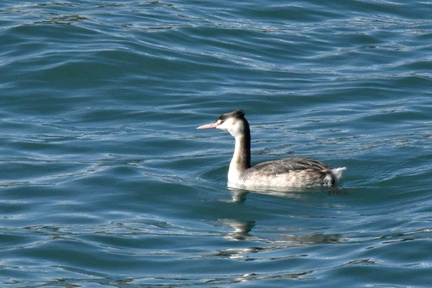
x=265 y=241
x=239 y=232
x=257 y=245
x=240 y=229
x=239 y=195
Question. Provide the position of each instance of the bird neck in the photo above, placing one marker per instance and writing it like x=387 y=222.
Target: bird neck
x=242 y=156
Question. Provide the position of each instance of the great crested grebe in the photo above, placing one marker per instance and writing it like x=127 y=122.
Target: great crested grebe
x=285 y=173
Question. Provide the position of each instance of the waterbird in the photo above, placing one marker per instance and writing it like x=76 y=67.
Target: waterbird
x=287 y=173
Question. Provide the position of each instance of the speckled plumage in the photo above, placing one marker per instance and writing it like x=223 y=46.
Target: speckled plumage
x=286 y=173
x=290 y=172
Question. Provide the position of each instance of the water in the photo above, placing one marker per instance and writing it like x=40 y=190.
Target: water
x=105 y=182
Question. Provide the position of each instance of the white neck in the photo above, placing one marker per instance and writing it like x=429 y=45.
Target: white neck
x=241 y=158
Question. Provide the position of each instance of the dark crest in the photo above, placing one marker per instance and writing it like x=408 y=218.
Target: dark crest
x=236 y=114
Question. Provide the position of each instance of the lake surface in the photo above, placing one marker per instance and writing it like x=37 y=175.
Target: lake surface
x=105 y=181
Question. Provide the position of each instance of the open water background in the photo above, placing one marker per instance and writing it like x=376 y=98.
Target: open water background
x=105 y=182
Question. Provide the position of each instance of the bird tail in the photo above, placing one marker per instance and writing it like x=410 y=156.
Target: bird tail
x=332 y=176
x=337 y=173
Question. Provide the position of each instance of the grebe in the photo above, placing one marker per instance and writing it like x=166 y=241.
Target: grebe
x=280 y=174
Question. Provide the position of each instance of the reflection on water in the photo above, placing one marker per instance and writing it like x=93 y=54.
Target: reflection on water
x=274 y=238
x=239 y=195
x=243 y=231
x=240 y=229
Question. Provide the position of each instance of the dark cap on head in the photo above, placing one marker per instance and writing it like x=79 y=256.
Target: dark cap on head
x=236 y=114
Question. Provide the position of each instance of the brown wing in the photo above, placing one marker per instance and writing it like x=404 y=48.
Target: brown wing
x=289 y=164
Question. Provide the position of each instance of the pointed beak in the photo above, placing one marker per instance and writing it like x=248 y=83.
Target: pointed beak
x=208 y=126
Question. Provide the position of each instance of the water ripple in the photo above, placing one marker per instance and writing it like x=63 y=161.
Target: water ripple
x=106 y=181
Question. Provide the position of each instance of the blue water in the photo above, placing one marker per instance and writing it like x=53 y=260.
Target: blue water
x=105 y=182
